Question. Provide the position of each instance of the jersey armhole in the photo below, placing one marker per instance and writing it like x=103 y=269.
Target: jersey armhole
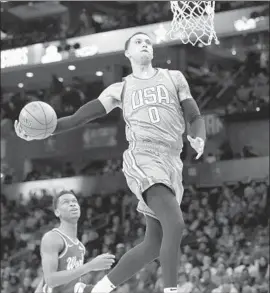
x=123 y=91
x=64 y=251
x=84 y=249
x=171 y=79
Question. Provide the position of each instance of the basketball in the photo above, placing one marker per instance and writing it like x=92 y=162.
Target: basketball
x=38 y=120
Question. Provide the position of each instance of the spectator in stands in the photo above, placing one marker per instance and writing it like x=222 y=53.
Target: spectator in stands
x=210 y=158
x=206 y=282
x=98 y=205
x=184 y=285
x=248 y=152
x=226 y=151
x=114 y=207
x=69 y=170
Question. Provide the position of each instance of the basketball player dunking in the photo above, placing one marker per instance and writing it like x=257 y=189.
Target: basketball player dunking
x=156 y=103
x=63 y=254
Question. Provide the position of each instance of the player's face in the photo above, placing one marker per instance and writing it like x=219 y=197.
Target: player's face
x=68 y=207
x=140 y=50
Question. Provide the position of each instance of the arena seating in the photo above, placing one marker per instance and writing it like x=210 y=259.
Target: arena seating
x=225 y=243
x=253 y=93
x=250 y=94
x=88 y=18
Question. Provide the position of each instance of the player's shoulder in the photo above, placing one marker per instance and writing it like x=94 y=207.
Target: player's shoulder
x=178 y=78
x=52 y=238
x=114 y=90
x=116 y=85
x=176 y=73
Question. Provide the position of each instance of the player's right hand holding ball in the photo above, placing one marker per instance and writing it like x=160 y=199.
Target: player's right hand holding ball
x=37 y=120
x=20 y=132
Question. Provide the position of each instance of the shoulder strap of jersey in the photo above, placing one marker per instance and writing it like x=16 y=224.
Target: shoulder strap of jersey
x=168 y=74
x=66 y=236
x=65 y=242
x=80 y=243
x=123 y=89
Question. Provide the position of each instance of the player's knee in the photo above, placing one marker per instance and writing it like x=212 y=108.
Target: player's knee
x=162 y=201
x=179 y=225
x=174 y=223
x=159 y=198
x=176 y=219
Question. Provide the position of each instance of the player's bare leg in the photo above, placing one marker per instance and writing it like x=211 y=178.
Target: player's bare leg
x=163 y=202
x=140 y=255
x=135 y=259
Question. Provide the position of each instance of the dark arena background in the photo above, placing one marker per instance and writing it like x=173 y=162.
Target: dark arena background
x=65 y=54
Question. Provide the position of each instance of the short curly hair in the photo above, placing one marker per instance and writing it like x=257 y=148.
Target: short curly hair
x=58 y=195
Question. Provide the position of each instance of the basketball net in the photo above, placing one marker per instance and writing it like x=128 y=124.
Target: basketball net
x=193 y=21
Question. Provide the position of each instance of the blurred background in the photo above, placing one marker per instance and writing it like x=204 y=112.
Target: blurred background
x=65 y=54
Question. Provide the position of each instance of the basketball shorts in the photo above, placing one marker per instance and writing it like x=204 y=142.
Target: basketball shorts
x=145 y=167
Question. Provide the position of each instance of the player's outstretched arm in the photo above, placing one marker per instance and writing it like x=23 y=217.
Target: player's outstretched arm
x=51 y=247
x=107 y=101
x=192 y=113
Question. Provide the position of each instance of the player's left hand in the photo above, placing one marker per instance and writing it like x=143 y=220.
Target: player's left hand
x=197 y=144
x=79 y=287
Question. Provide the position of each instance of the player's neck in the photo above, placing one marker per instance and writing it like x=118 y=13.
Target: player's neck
x=143 y=71
x=70 y=229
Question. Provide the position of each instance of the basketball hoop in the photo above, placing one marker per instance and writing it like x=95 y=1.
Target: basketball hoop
x=193 y=21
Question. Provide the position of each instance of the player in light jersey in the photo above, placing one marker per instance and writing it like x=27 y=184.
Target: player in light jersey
x=156 y=105
x=63 y=254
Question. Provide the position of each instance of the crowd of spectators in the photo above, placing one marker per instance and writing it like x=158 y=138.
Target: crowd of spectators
x=98 y=167
x=44 y=171
x=84 y=18
x=253 y=90
x=225 y=246
x=249 y=94
x=243 y=88
x=64 y=98
x=252 y=96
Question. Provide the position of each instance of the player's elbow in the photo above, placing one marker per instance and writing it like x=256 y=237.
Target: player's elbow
x=89 y=112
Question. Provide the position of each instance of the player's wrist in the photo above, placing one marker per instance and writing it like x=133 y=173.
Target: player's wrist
x=202 y=140
x=90 y=267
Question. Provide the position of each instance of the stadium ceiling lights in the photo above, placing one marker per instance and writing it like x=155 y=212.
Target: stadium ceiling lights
x=29 y=74
x=71 y=67
x=99 y=73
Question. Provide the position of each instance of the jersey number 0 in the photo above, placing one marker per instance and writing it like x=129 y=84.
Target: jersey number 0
x=153 y=114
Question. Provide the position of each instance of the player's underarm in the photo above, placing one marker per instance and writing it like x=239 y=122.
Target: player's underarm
x=85 y=114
